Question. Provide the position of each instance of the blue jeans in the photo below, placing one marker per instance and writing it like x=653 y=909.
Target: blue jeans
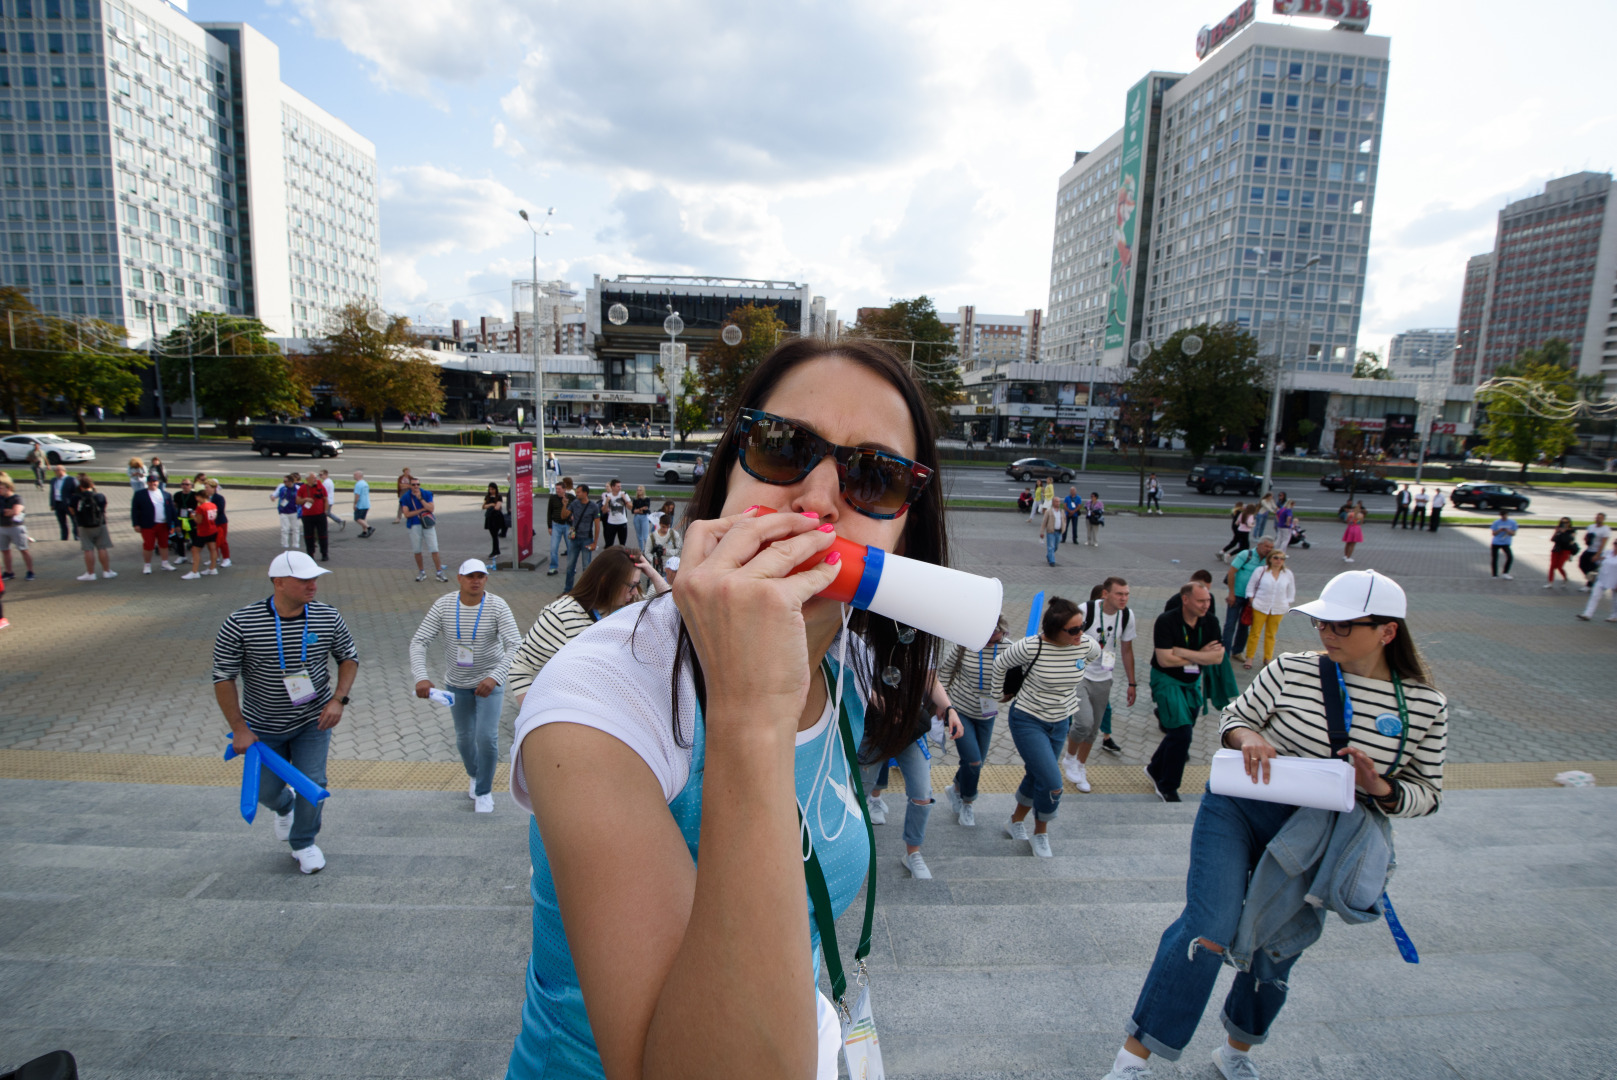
x=1225 y=845
x=1257 y=527
x=306 y=749
x=477 y=732
x=1040 y=745
x=575 y=549
x=557 y=535
x=642 y=530
x=1050 y=542
x=973 y=747
x=917 y=772
x=1234 y=632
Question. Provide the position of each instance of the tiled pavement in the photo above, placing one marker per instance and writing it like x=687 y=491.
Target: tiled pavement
x=122 y=666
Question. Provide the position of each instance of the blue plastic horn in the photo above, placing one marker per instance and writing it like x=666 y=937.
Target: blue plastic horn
x=258 y=755
x=1037 y=613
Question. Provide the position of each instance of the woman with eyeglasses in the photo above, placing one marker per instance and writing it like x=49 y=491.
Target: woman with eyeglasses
x=1052 y=665
x=1396 y=739
x=1270 y=593
x=691 y=762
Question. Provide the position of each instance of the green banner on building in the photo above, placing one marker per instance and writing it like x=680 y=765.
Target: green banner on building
x=1125 y=216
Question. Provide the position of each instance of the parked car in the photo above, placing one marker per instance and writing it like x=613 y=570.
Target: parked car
x=1217 y=479
x=1363 y=480
x=287 y=439
x=58 y=451
x=1032 y=468
x=1489 y=496
x=677 y=466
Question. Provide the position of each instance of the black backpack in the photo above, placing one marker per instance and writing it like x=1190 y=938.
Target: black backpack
x=1093 y=607
x=90 y=510
x=1015 y=676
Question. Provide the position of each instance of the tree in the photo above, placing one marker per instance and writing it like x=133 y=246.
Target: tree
x=1529 y=405
x=376 y=370
x=1138 y=407
x=239 y=371
x=1369 y=366
x=1351 y=448
x=721 y=370
x=1206 y=397
x=692 y=410
x=926 y=343
x=21 y=360
x=86 y=364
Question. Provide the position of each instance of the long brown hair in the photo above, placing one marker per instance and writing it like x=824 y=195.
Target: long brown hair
x=602 y=582
x=890 y=711
x=1403 y=656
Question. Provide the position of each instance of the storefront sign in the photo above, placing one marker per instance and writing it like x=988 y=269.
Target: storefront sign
x=622 y=397
x=1354 y=14
x=522 y=498
x=1211 y=37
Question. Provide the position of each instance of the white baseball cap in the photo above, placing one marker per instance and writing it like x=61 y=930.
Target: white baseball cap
x=473 y=566
x=672 y=564
x=295 y=564
x=1355 y=593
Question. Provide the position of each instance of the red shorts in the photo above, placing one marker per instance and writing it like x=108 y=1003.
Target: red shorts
x=153 y=537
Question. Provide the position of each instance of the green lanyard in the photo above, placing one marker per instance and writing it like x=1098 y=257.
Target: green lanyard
x=820 y=894
x=1403 y=723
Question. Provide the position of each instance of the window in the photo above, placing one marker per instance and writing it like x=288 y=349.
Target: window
x=1311 y=168
x=1314 y=136
x=1322 y=73
x=1292 y=101
x=1268 y=69
x=53 y=42
x=86 y=78
x=1262 y=132
x=1305 y=199
x=1260 y=162
x=58 y=76
x=1364 y=146
x=1304 y=230
x=31 y=109
x=1276 y=258
x=1266 y=99
x=1327 y=232
x=1361 y=174
x=1256 y=195
x=1346 y=77
x=1333 y=201
x=1283 y=197
x=85 y=44
x=137 y=279
x=1372 y=79
x=1333 y=170
x=36 y=144
x=64 y=178
x=1284 y=164
x=1343 y=106
x=1357 y=207
x=1294 y=70
x=25 y=41
x=1288 y=134
x=75 y=275
x=1317 y=105
x=87 y=111
x=64 y=144
x=1339 y=138
x=30 y=77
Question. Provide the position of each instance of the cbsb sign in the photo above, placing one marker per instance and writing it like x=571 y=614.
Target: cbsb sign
x=1353 y=13
x=1211 y=37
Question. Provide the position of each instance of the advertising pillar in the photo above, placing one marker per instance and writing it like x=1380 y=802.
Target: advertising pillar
x=522 y=500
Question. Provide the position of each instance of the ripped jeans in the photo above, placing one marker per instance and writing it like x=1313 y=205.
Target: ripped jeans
x=917 y=772
x=1228 y=839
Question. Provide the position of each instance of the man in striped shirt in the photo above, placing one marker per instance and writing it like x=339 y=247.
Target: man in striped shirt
x=280 y=649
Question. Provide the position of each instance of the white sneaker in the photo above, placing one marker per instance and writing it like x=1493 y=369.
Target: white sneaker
x=1507 y=577
x=1041 y=845
x=484 y=804
x=917 y=866
x=968 y=816
x=169 y=566
x=1233 y=1066
x=225 y=563
x=1016 y=830
x=878 y=810
x=191 y=576
x=1071 y=767
x=1081 y=781
x=86 y=577
x=955 y=801
x=283 y=826
x=421 y=576
x=146 y=568
x=311 y=860
x=1551 y=585
x=471 y=787
x=1129 y=1072
x=212 y=571
x=109 y=573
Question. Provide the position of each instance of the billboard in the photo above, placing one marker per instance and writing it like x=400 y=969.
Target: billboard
x=1125 y=213
x=1351 y=14
x=1211 y=37
x=522 y=499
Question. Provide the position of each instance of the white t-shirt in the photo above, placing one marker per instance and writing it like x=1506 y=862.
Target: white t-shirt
x=616 y=507
x=159 y=516
x=1110 y=632
x=1601 y=534
x=331 y=492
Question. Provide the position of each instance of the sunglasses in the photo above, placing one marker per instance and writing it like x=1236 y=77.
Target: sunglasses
x=1074 y=630
x=1341 y=629
x=875 y=483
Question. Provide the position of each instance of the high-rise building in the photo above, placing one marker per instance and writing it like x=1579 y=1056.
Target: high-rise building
x=155 y=166
x=1552 y=274
x=985 y=340
x=1420 y=354
x=1240 y=192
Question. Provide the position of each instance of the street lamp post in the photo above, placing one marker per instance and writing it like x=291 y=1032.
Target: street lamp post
x=538 y=368
x=673 y=326
x=1274 y=390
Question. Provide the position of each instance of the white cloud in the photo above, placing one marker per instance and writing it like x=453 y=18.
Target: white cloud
x=411 y=44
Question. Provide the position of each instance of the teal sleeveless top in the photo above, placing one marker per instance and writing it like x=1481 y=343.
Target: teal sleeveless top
x=555 y=1042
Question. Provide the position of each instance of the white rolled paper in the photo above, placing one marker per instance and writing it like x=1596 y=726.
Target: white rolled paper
x=1322 y=783
x=949 y=604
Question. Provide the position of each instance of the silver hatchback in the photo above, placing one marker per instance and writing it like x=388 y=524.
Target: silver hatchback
x=679 y=466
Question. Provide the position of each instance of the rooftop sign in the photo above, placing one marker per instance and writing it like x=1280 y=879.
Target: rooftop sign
x=1353 y=14
x=1211 y=37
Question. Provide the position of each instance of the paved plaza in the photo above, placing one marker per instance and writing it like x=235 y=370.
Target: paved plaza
x=145 y=927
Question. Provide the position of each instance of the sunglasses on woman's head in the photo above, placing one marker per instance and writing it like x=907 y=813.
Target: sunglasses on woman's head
x=874 y=482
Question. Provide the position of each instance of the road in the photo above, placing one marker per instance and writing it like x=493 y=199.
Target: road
x=443 y=465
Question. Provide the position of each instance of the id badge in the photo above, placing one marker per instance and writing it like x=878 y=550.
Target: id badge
x=860 y=1047
x=1192 y=669
x=299 y=687
x=463 y=656
x=1108 y=659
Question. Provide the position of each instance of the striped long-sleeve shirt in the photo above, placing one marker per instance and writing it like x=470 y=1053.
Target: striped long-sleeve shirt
x=1050 y=690
x=493 y=638
x=1286 y=705
x=245 y=648
x=559 y=622
x=968 y=677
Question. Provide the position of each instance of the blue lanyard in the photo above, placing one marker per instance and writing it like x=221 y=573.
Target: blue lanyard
x=980 y=665
x=1347 y=702
x=280 y=652
x=475 y=622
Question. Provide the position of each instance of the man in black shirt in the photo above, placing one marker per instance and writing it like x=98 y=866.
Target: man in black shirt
x=586 y=531
x=1183 y=642
x=557 y=516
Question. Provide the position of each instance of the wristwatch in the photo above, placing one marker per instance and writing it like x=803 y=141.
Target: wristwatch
x=343 y=700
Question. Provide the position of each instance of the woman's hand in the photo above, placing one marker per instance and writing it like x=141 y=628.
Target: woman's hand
x=1364 y=772
x=743 y=608
x=1256 y=753
x=952 y=719
x=423 y=688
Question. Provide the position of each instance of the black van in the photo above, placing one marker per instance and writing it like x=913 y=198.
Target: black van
x=287 y=439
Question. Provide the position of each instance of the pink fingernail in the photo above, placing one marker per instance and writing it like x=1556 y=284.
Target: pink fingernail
x=809 y=514
x=749 y=509
x=833 y=558
x=828 y=528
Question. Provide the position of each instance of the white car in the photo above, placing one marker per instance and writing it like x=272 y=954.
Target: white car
x=57 y=449
x=675 y=466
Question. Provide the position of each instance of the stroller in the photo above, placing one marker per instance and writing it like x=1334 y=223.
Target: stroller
x=1299 y=537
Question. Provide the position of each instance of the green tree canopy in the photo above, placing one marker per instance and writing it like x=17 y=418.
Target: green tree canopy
x=1218 y=392
x=721 y=370
x=1528 y=405
x=376 y=369
x=239 y=371
x=913 y=330
x=1369 y=366
x=22 y=355
x=87 y=364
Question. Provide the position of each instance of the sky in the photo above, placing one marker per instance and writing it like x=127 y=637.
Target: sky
x=876 y=150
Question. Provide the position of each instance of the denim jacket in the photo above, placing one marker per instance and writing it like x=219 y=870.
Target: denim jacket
x=1320 y=861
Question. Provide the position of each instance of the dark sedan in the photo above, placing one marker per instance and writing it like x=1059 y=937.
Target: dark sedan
x=1363 y=480
x=1032 y=468
x=1489 y=497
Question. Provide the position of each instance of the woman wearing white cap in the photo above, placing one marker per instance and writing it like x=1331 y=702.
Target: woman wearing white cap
x=480 y=638
x=1396 y=738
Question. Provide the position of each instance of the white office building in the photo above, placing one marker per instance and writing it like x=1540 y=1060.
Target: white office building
x=155 y=166
x=987 y=339
x=1242 y=191
x=1421 y=354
